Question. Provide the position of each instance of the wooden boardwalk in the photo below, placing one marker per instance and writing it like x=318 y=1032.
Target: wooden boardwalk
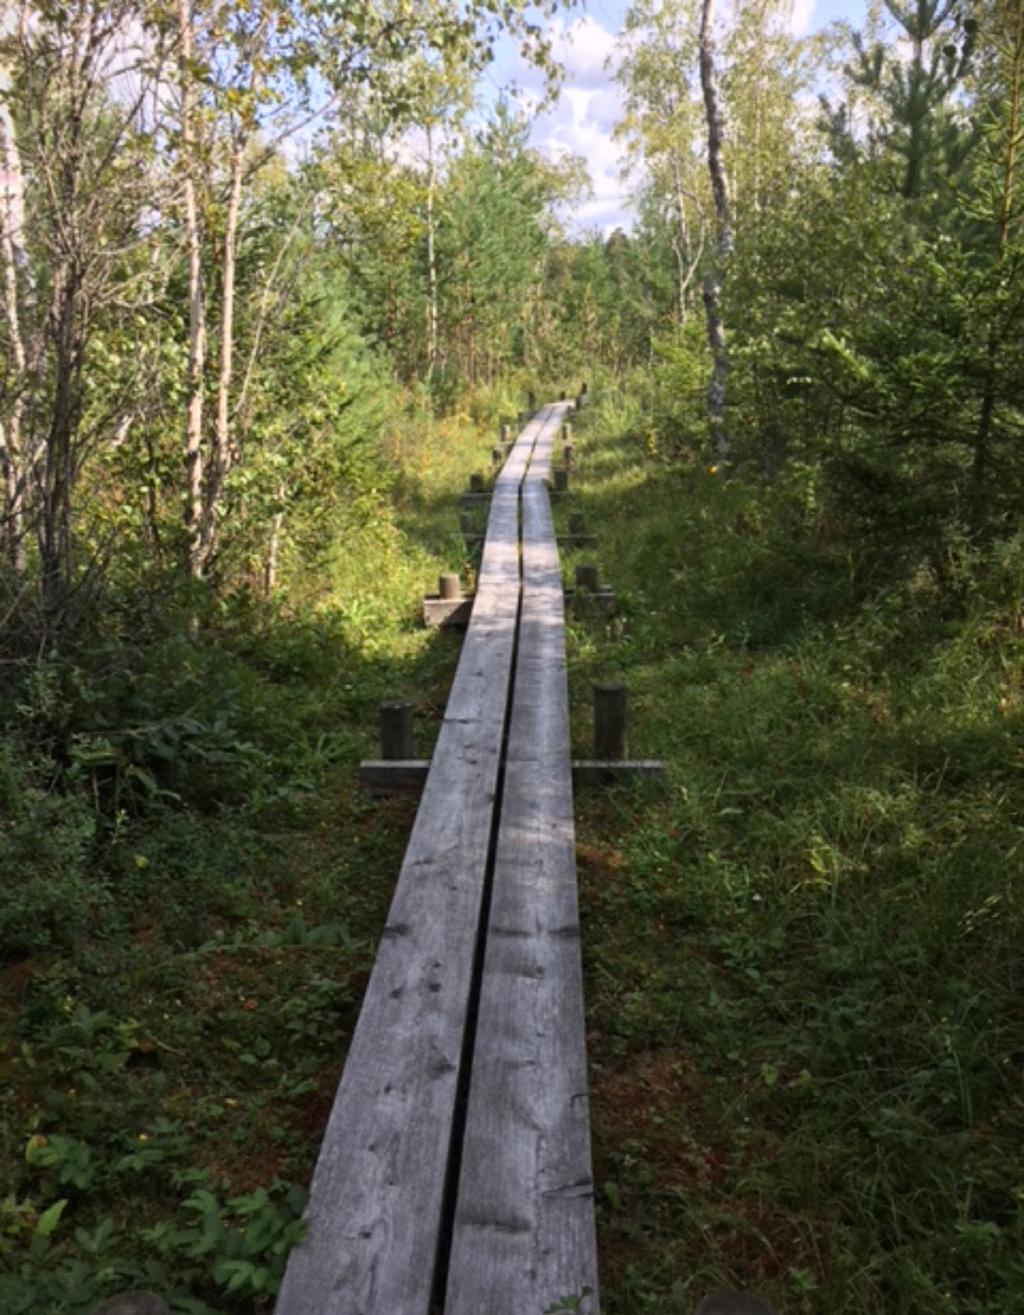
x=454 y=1176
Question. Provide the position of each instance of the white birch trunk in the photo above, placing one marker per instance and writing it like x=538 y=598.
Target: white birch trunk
x=13 y=257
x=274 y=547
x=222 y=454
x=724 y=234
x=196 y=305
x=432 y=311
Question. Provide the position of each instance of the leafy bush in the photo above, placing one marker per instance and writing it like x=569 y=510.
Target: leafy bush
x=46 y=891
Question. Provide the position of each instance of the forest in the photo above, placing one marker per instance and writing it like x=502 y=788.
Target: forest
x=273 y=274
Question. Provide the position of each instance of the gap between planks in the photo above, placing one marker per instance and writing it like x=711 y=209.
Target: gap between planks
x=374 y=1215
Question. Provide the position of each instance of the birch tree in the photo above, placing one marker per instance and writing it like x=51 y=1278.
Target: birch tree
x=81 y=117
x=661 y=127
x=251 y=77
x=723 y=233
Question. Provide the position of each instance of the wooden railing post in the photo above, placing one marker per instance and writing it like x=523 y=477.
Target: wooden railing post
x=587 y=578
x=396 y=730
x=610 y=722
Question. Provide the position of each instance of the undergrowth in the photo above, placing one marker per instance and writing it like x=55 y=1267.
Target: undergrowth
x=803 y=961
x=192 y=892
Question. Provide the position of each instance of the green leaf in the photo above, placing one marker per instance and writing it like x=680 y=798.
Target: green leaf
x=49 y=1219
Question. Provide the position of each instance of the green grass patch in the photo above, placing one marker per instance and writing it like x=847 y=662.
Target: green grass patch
x=802 y=961
x=193 y=888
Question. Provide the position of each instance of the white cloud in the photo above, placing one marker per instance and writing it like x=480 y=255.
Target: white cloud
x=583 y=48
x=604 y=109
x=581 y=121
x=590 y=104
x=580 y=47
x=580 y=124
x=800 y=17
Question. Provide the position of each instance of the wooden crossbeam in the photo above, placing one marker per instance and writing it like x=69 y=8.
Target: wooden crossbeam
x=455 y=612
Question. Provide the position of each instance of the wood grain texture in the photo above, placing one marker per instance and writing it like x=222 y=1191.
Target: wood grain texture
x=524 y=1219
x=375 y=1201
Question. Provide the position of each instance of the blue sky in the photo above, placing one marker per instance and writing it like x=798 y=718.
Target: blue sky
x=589 y=104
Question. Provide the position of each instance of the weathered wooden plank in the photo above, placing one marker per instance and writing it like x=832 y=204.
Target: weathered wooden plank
x=454 y=612
x=523 y=1233
x=376 y=1198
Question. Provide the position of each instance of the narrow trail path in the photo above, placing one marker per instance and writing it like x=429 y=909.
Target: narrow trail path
x=454 y=1174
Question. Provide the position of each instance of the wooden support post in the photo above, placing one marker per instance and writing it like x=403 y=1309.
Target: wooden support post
x=583 y=389
x=561 y=481
x=505 y=432
x=610 y=722
x=395 y=731
x=567 y=456
x=578 y=529
x=566 y=432
x=579 y=402
x=498 y=456
x=586 y=578
x=450 y=586
x=477 y=483
x=531 y=402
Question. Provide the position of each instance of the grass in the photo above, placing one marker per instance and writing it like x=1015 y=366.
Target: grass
x=802 y=960
x=194 y=888
x=802 y=963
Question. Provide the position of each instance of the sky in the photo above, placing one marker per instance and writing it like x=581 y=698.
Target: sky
x=590 y=102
